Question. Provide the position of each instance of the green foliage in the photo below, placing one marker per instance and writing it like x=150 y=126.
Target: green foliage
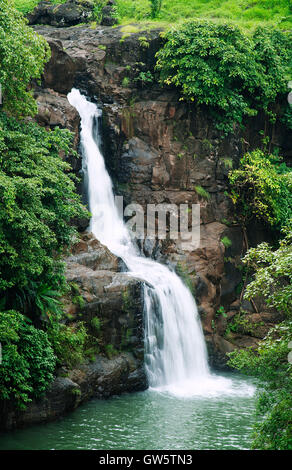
x=202 y=192
x=273 y=281
x=221 y=311
x=96 y=323
x=182 y=272
x=145 y=78
x=68 y=341
x=270 y=364
x=47 y=301
x=38 y=201
x=262 y=188
x=97 y=10
x=125 y=82
x=155 y=7
x=23 y=54
x=143 y=42
x=218 y=66
x=110 y=351
x=273 y=274
x=241 y=323
x=226 y=242
x=78 y=300
x=129 y=29
x=246 y=13
x=228 y=163
x=28 y=359
x=287 y=117
x=25 y=6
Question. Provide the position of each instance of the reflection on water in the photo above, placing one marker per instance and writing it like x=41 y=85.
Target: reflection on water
x=148 y=420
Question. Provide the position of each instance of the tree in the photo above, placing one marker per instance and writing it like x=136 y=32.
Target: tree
x=38 y=201
x=262 y=188
x=217 y=65
x=269 y=363
x=272 y=274
x=23 y=54
x=28 y=359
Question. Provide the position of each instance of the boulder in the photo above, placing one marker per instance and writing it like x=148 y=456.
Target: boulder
x=108 y=14
x=65 y=14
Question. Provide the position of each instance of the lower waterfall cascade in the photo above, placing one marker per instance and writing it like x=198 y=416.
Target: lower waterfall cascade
x=175 y=352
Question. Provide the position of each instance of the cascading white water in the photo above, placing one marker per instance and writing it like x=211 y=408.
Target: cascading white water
x=176 y=357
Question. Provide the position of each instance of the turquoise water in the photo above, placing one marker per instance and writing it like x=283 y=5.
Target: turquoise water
x=148 y=420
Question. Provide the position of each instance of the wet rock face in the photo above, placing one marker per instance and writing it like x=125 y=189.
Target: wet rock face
x=160 y=150
x=114 y=298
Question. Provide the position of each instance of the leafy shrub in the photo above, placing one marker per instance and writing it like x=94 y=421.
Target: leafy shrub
x=221 y=311
x=241 y=323
x=97 y=9
x=96 y=323
x=155 y=7
x=38 y=201
x=68 y=341
x=287 y=117
x=23 y=54
x=144 y=78
x=125 y=82
x=218 y=66
x=28 y=359
x=143 y=42
x=226 y=242
x=262 y=188
x=272 y=274
x=270 y=364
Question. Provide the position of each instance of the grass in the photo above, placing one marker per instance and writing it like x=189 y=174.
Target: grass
x=246 y=13
x=25 y=6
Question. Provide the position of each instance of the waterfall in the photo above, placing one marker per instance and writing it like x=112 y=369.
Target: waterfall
x=175 y=351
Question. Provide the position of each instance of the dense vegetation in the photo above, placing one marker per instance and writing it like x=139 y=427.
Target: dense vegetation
x=270 y=362
x=38 y=201
x=22 y=57
x=28 y=359
x=261 y=188
x=218 y=66
x=270 y=365
x=246 y=13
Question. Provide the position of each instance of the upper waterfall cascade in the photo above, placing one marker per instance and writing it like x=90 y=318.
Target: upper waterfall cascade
x=175 y=351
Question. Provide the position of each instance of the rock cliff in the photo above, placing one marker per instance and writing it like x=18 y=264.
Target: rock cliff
x=160 y=150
